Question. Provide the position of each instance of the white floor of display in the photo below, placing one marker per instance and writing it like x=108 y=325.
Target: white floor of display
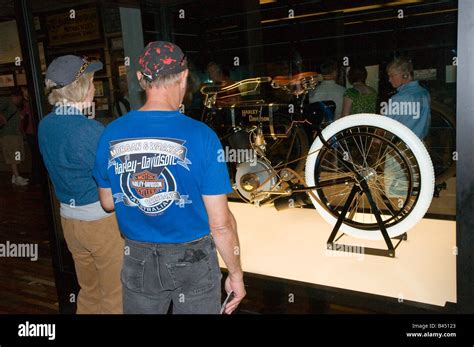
x=291 y=244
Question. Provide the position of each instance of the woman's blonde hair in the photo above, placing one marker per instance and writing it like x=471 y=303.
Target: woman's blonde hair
x=74 y=92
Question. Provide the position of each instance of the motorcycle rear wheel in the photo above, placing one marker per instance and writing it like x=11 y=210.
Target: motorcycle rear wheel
x=395 y=162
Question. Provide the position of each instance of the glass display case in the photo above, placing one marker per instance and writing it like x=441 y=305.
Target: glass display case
x=288 y=86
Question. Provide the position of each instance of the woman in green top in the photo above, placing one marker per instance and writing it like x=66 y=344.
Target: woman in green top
x=360 y=98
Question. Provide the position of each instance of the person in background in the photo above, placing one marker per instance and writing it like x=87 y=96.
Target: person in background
x=193 y=98
x=411 y=107
x=360 y=98
x=219 y=75
x=121 y=103
x=410 y=97
x=28 y=129
x=68 y=141
x=159 y=169
x=328 y=89
x=11 y=138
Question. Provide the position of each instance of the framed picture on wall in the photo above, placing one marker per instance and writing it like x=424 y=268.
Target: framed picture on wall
x=42 y=57
x=99 y=88
x=7 y=81
x=93 y=55
x=20 y=77
x=84 y=28
x=102 y=104
x=10 y=49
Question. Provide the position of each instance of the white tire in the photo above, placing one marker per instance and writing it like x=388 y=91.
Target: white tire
x=411 y=140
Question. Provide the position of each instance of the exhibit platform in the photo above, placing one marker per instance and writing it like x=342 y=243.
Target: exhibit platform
x=291 y=245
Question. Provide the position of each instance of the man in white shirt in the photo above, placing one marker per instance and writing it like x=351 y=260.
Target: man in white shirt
x=328 y=89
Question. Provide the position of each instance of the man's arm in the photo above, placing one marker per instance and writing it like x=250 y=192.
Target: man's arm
x=224 y=231
x=106 y=199
x=99 y=168
x=346 y=106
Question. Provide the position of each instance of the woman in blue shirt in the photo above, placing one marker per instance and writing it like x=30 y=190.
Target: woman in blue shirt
x=68 y=141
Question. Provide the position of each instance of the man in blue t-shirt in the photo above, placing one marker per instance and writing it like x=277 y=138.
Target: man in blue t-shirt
x=159 y=169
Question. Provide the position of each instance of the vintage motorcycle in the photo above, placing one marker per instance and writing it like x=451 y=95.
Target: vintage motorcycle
x=363 y=173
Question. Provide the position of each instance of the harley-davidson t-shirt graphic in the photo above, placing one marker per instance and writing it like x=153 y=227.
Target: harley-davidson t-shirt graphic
x=158 y=165
x=145 y=180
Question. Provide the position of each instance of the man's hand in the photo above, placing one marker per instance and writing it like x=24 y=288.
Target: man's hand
x=237 y=286
x=106 y=199
x=224 y=232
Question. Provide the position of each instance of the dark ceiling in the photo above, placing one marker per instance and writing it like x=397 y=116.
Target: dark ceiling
x=263 y=31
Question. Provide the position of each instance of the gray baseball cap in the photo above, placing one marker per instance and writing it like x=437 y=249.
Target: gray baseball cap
x=66 y=69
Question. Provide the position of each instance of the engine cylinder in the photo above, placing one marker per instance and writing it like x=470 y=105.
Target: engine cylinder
x=296 y=200
x=239 y=139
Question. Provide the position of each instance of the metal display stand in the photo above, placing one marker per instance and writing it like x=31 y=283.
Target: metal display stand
x=389 y=252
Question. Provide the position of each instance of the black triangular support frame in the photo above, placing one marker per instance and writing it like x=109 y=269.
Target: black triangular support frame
x=332 y=244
